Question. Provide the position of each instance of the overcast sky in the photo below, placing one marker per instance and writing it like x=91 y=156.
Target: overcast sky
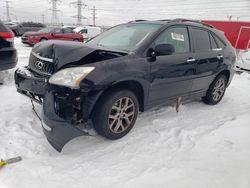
x=111 y=12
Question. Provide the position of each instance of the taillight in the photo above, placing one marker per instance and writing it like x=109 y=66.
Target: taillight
x=9 y=36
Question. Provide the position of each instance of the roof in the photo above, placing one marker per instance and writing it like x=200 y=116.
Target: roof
x=179 y=20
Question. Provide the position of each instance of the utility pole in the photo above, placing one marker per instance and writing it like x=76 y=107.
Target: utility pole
x=230 y=17
x=43 y=18
x=80 y=5
x=94 y=16
x=55 y=10
x=7 y=6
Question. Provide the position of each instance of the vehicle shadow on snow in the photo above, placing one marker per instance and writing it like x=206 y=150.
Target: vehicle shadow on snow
x=160 y=127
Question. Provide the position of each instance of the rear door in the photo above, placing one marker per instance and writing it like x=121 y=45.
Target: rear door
x=171 y=75
x=208 y=57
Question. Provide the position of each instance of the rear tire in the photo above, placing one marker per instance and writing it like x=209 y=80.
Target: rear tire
x=115 y=114
x=216 y=90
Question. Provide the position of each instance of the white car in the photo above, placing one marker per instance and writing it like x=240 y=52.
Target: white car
x=88 y=32
x=243 y=63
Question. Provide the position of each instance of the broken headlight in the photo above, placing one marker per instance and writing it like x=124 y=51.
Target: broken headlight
x=70 y=77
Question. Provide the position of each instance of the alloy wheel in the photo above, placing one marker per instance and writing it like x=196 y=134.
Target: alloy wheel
x=121 y=115
x=219 y=89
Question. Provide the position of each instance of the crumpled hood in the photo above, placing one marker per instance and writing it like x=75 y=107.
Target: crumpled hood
x=66 y=52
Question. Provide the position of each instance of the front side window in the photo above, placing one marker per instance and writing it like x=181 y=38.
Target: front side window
x=67 y=30
x=127 y=37
x=57 y=31
x=84 y=31
x=46 y=30
x=177 y=36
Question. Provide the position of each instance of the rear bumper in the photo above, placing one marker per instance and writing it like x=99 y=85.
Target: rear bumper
x=8 y=58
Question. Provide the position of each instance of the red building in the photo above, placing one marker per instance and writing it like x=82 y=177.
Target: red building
x=238 y=33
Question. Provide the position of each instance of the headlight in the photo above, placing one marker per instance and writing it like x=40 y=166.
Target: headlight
x=70 y=77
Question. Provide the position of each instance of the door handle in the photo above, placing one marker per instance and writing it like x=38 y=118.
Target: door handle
x=190 y=60
x=219 y=56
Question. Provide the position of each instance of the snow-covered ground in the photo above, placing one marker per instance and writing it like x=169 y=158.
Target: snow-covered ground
x=200 y=147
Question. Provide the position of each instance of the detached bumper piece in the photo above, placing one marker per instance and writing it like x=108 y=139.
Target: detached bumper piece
x=65 y=111
x=57 y=129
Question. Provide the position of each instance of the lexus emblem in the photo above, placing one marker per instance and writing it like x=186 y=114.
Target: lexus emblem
x=39 y=65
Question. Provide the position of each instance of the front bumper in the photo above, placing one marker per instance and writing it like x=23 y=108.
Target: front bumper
x=29 y=83
x=29 y=40
x=55 y=128
x=65 y=111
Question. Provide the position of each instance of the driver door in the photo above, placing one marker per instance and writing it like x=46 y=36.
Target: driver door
x=171 y=75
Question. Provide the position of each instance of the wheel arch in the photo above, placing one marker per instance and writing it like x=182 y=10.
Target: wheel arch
x=226 y=73
x=132 y=85
x=43 y=38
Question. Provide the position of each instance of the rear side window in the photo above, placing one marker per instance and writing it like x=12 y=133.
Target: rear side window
x=201 y=40
x=177 y=36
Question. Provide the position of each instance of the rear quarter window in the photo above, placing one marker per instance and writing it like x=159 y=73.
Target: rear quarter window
x=219 y=42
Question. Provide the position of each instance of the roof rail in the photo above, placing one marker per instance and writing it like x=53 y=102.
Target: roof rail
x=194 y=21
x=165 y=20
x=137 y=21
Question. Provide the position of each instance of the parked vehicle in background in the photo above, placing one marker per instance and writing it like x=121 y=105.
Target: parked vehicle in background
x=51 y=33
x=129 y=68
x=72 y=27
x=88 y=32
x=8 y=54
x=20 y=28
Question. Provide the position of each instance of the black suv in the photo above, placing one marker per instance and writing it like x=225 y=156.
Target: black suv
x=8 y=54
x=20 y=28
x=129 y=68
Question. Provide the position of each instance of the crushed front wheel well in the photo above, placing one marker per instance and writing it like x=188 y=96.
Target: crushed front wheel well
x=133 y=86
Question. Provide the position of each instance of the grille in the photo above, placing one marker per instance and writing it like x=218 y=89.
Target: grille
x=40 y=64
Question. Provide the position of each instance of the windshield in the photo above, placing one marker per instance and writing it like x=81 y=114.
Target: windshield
x=46 y=30
x=126 y=37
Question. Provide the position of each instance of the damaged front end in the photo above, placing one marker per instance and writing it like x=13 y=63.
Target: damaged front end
x=53 y=78
x=65 y=114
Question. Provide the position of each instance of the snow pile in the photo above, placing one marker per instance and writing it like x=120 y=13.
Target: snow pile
x=201 y=146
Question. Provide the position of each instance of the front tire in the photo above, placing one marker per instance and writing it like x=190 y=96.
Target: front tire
x=216 y=90
x=115 y=114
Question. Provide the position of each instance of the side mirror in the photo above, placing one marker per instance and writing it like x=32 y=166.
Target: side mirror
x=164 y=49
